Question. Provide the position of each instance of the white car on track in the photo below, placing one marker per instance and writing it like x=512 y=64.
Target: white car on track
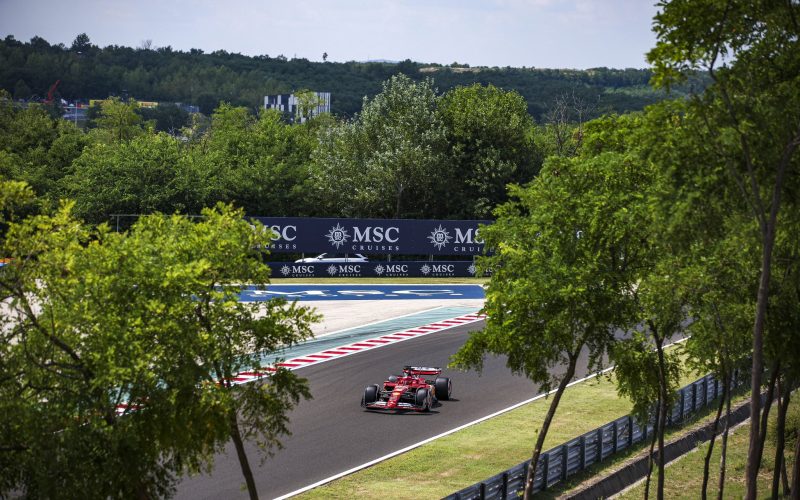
x=334 y=258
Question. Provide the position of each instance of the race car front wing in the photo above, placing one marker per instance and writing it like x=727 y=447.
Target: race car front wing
x=400 y=405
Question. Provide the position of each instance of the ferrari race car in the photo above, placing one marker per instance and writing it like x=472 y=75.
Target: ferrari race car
x=410 y=391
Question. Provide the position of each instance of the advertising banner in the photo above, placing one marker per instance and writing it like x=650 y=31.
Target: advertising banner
x=398 y=269
x=375 y=236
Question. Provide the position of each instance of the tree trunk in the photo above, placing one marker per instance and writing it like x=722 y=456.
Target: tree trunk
x=769 y=230
x=785 y=479
x=562 y=386
x=707 y=462
x=796 y=469
x=724 y=446
x=650 y=454
x=662 y=389
x=142 y=491
x=780 y=430
x=398 y=195
x=243 y=462
x=773 y=379
x=236 y=437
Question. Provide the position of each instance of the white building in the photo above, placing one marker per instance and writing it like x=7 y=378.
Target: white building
x=290 y=104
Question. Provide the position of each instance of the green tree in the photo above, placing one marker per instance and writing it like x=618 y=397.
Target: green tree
x=21 y=90
x=307 y=104
x=118 y=350
x=567 y=253
x=490 y=139
x=722 y=279
x=782 y=343
x=661 y=308
x=258 y=163
x=705 y=258
x=384 y=161
x=81 y=43
x=36 y=148
x=168 y=118
x=44 y=167
x=232 y=336
x=139 y=176
x=634 y=359
x=25 y=132
x=750 y=51
x=118 y=121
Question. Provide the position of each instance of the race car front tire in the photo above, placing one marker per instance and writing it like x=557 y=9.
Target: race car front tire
x=443 y=387
x=370 y=395
x=422 y=400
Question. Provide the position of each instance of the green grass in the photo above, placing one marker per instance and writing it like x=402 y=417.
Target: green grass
x=684 y=477
x=379 y=281
x=478 y=452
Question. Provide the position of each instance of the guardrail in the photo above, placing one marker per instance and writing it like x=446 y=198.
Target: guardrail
x=576 y=455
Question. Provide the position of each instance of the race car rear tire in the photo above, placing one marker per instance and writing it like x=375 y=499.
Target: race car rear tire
x=370 y=395
x=444 y=387
x=422 y=400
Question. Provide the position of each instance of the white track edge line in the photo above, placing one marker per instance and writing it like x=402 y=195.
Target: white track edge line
x=451 y=431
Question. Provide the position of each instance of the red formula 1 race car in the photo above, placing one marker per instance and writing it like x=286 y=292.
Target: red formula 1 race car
x=411 y=391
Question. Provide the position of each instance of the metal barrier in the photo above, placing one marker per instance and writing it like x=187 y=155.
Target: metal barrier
x=576 y=455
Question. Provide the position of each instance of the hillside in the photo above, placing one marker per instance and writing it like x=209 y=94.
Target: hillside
x=28 y=69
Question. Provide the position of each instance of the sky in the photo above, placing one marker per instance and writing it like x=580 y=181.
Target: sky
x=576 y=34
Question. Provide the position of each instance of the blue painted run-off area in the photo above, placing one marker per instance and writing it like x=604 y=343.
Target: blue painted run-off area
x=362 y=292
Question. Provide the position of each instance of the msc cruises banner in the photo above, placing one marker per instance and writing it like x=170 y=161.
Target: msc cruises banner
x=399 y=269
x=371 y=236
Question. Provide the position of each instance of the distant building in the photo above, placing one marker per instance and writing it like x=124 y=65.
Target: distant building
x=290 y=104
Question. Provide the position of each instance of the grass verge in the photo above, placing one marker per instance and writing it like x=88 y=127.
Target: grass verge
x=683 y=478
x=461 y=459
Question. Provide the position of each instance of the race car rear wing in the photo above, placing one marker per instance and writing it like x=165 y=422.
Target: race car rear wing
x=422 y=370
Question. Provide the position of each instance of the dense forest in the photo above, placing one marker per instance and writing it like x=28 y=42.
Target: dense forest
x=27 y=70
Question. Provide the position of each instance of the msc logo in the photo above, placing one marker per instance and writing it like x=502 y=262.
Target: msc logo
x=338 y=235
x=469 y=237
x=284 y=233
x=287 y=270
x=339 y=269
x=391 y=269
x=376 y=234
x=437 y=269
x=440 y=237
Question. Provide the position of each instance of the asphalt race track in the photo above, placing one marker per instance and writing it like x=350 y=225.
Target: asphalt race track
x=332 y=433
